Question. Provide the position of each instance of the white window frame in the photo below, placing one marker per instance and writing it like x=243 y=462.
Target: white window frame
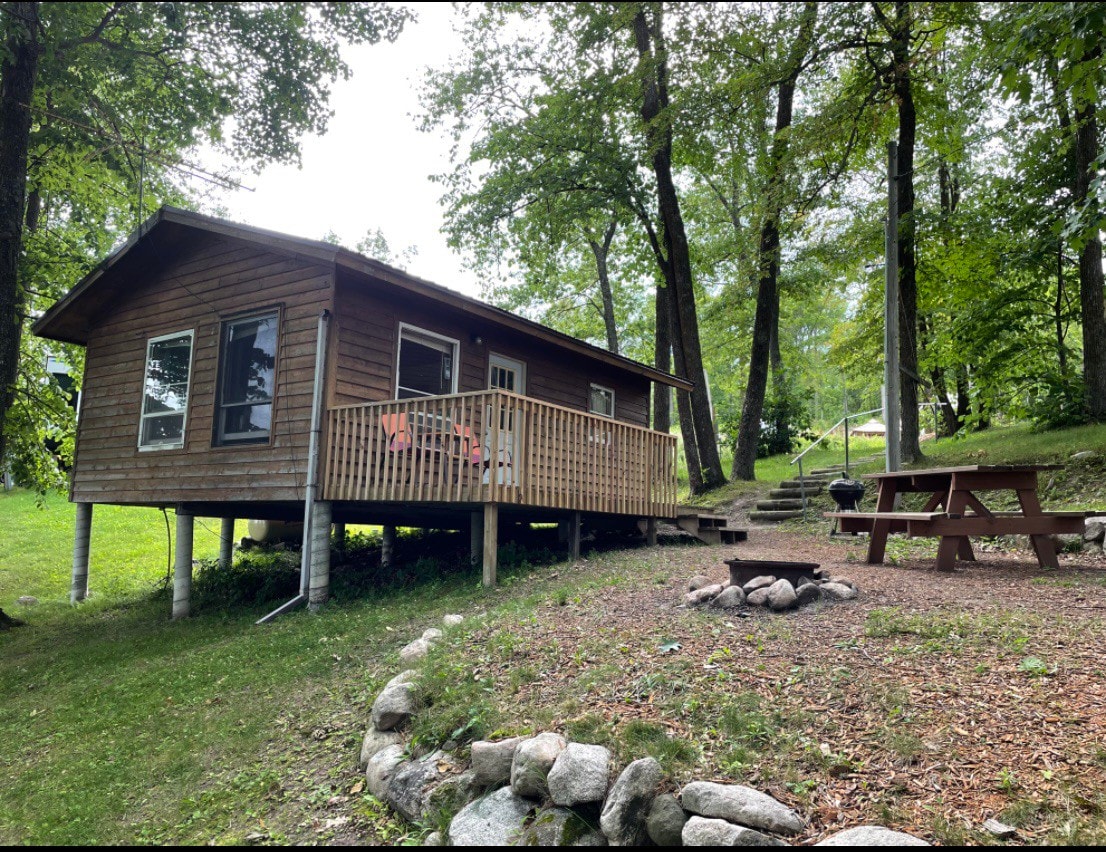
x=237 y=439
x=594 y=387
x=143 y=416
x=505 y=363
x=429 y=338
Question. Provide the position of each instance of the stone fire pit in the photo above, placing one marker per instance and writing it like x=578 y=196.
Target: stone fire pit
x=775 y=585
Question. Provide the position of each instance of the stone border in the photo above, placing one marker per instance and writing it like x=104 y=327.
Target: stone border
x=546 y=791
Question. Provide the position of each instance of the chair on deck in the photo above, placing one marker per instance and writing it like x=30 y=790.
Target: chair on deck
x=397 y=431
x=470 y=447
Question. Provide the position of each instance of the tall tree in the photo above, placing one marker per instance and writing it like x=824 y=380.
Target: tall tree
x=128 y=87
x=653 y=54
x=766 y=322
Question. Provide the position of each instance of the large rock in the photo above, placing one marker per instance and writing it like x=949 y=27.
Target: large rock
x=376 y=741
x=533 y=760
x=838 y=591
x=665 y=823
x=757 y=597
x=381 y=767
x=697 y=582
x=703 y=595
x=761 y=582
x=452 y=619
x=409 y=789
x=872 y=835
x=717 y=832
x=405 y=676
x=492 y=761
x=1094 y=529
x=628 y=803
x=740 y=804
x=808 y=593
x=579 y=775
x=394 y=707
x=432 y=634
x=454 y=792
x=781 y=595
x=560 y=827
x=731 y=598
x=414 y=652
x=495 y=820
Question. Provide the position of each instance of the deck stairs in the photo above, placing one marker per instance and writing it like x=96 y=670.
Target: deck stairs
x=709 y=527
x=786 y=501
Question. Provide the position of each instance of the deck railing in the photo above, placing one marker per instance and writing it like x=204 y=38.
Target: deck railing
x=495 y=446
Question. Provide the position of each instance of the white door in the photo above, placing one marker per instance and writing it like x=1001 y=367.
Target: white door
x=509 y=375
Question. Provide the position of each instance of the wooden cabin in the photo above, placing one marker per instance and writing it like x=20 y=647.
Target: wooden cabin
x=235 y=372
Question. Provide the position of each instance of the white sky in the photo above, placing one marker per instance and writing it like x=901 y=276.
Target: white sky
x=371 y=169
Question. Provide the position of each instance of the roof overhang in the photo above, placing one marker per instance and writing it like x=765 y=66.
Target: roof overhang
x=70 y=319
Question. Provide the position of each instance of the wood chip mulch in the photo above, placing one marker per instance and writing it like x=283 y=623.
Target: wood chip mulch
x=984 y=698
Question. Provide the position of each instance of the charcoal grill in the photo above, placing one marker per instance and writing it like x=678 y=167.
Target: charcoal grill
x=847 y=494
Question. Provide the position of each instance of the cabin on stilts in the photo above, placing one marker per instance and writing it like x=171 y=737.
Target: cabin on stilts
x=234 y=372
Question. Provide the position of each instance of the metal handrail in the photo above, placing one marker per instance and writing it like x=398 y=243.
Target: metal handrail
x=826 y=434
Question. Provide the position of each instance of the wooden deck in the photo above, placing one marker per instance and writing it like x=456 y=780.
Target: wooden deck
x=497 y=447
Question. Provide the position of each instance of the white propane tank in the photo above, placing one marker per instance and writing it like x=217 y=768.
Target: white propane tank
x=270 y=532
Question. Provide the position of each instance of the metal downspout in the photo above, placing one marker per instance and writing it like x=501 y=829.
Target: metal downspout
x=312 y=472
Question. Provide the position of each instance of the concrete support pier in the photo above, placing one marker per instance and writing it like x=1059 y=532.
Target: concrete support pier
x=226 y=542
x=182 y=566
x=574 y=536
x=78 y=585
x=320 y=555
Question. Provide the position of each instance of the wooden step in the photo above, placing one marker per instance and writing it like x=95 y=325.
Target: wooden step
x=775 y=516
x=811 y=485
x=732 y=535
x=778 y=505
x=792 y=493
x=828 y=471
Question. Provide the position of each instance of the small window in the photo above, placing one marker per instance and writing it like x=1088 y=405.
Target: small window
x=165 y=392
x=426 y=364
x=246 y=380
x=601 y=401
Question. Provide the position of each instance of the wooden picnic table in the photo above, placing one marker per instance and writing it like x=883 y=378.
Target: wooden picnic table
x=954 y=511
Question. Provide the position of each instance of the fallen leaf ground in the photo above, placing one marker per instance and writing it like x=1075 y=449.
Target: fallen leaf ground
x=930 y=704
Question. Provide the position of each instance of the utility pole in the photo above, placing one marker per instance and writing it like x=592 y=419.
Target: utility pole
x=891 y=377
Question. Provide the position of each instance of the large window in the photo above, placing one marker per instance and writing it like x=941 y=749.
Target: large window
x=426 y=364
x=246 y=380
x=165 y=391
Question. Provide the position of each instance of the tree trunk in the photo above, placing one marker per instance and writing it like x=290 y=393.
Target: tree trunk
x=1058 y=311
x=652 y=55
x=908 y=287
x=1090 y=264
x=662 y=360
x=18 y=74
x=683 y=404
x=766 y=320
x=601 y=250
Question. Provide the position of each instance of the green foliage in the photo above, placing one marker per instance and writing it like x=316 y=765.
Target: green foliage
x=1058 y=403
x=786 y=419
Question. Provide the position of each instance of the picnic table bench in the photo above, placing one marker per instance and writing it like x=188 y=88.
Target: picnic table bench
x=953 y=490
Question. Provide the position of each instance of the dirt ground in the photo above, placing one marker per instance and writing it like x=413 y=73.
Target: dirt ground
x=931 y=703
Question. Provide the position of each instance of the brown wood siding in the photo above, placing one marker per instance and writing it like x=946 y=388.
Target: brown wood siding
x=208 y=283
x=368 y=314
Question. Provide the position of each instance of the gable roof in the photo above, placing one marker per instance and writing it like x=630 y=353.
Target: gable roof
x=68 y=319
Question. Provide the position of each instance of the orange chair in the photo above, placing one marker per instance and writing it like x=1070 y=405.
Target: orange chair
x=397 y=431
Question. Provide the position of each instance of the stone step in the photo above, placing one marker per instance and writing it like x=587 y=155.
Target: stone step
x=778 y=505
x=775 y=516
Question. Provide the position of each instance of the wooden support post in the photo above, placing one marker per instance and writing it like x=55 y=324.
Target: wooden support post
x=78 y=586
x=319 y=592
x=491 y=542
x=388 y=546
x=574 y=537
x=651 y=532
x=563 y=532
x=476 y=537
x=340 y=536
x=226 y=542
x=182 y=566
